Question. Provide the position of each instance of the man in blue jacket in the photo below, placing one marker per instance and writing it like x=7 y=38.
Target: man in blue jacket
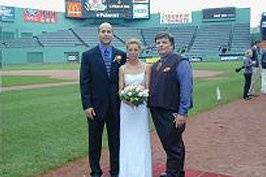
x=100 y=99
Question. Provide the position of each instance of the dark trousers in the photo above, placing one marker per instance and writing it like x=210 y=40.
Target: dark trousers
x=171 y=139
x=95 y=132
x=247 y=84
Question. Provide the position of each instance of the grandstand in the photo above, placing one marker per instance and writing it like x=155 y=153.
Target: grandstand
x=66 y=38
x=60 y=38
x=23 y=43
x=88 y=36
x=208 y=40
x=240 y=38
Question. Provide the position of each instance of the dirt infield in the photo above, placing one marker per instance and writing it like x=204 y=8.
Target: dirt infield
x=74 y=74
x=70 y=76
x=73 y=77
x=229 y=139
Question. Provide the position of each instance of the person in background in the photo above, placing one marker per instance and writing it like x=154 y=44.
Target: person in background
x=263 y=71
x=247 y=73
x=255 y=69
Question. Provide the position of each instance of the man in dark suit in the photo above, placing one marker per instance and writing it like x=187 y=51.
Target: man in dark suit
x=169 y=102
x=100 y=99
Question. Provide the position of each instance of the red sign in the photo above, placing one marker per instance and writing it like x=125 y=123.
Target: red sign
x=40 y=16
x=74 y=9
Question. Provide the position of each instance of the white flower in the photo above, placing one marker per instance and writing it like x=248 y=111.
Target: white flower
x=146 y=93
x=134 y=94
x=122 y=92
x=118 y=58
x=138 y=89
x=140 y=94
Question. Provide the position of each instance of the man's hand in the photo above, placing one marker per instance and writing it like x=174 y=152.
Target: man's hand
x=89 y=112
x=179 y=120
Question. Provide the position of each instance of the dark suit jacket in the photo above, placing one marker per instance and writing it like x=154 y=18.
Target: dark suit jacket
x=98 y=90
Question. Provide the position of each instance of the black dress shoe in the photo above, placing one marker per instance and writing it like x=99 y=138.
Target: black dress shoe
x=247 y=98
x=163 y=174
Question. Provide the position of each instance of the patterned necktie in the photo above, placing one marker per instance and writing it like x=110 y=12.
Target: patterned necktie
x=159 y=66
x=161 y=63
x=106 y=53
x=107 y=60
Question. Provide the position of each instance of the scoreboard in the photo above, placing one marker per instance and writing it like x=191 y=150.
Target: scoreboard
x=219 y=13
x=125 y=9
x=263 y=26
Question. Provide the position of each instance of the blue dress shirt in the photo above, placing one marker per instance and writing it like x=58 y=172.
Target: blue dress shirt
x=184 y=76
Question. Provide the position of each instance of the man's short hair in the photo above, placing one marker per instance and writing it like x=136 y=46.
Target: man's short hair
x=104 y=24
x=167 y=36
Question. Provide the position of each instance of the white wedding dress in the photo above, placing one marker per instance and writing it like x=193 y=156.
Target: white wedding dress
x=135 y=147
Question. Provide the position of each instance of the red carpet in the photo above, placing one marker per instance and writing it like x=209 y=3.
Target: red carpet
x=158 y=168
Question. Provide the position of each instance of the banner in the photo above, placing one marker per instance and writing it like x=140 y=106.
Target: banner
x=39 y=16
x=7 y=13
x=175 y=18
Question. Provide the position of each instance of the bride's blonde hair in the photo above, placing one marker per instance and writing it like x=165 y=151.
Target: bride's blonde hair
x=133 y=41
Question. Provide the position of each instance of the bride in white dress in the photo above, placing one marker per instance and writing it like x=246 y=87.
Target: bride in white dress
x=135 y=147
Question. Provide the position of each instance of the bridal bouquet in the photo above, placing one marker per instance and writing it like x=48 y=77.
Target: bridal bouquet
x=134 y=94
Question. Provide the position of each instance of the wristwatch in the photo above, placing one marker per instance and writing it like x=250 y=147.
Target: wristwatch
x=176 y=114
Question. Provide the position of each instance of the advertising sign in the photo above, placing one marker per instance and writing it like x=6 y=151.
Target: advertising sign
x=175 y=18
x=7 y=13
x=39 y=16
x=219 y=13
x=126 y=9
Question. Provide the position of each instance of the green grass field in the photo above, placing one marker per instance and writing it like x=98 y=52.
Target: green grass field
x=8 y=81
x=42 y=129
x=229 y=83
